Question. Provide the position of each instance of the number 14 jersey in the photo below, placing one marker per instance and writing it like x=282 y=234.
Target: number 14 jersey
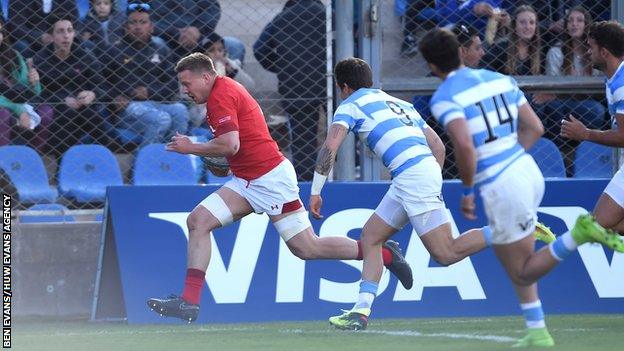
x=489 y=102
x=390 y=127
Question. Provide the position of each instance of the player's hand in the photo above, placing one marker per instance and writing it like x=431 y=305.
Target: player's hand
x=574 y=129
x=179 y=143
x=468 y=206
x=316 y=201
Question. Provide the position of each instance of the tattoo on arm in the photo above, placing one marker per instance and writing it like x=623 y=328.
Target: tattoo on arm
x=324 y=161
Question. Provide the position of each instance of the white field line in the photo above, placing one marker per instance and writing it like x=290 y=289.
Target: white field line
x=495 y=338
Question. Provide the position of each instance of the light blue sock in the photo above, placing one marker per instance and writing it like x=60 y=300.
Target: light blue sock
x=533 y=314
x=368 y=291
x=559 y=250
x=487 y=235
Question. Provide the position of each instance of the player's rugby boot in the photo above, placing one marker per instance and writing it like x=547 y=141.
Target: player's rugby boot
x=174 y=306
x=539 y=337
x=587 y=230
x=543 y=233
x=355 y=319
x=399 y=266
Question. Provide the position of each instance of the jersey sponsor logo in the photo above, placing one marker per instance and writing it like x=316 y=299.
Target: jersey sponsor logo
x=224 y=119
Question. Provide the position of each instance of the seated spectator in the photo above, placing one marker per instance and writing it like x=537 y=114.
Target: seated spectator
x=214 y=46
x=70 y=75
x=103 y=25
x=571 y=58
x=141 y=81
x=521 y=54
x=29 y=22
x=20 y=123
x=293 y=46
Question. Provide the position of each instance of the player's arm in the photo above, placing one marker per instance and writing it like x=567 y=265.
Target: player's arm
x=466 y=158
x=324 y=163
x=576 y=130
x=436 y=145
x=530 y=128
x=225 y=145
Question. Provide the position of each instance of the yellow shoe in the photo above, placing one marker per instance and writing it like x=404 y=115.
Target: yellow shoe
x=543 y=233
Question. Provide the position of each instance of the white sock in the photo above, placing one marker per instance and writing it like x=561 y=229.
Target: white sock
x=568 y=241
x=365 y=300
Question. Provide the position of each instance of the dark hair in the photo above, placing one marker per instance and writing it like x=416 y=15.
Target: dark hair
x=210 y=39
x=440 y=47
x=568 y=43
x=535 y=46
x=609 y=35
x=56 y=17
x=465 y=34
x=353 y=72
x=8 y=58
x=195 y=62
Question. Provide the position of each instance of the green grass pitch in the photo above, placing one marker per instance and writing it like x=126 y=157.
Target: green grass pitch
x=571 y=332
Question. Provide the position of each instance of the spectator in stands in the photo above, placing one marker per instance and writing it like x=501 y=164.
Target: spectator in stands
x=103 y=25
x=29 y=21
x=19 y=88
x=571 y=58
x=214 y=46
x=141 y=81
x=293 y=46
x=185 y=22
x=69 y=75
x=521 y=54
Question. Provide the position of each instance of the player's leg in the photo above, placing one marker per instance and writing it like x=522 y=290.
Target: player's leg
x=439 y=241
x=609 y=210
x=218 y=209
x=513 y=257
x=389 y=217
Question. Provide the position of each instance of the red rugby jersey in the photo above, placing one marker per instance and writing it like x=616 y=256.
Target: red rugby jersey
x=230 y=107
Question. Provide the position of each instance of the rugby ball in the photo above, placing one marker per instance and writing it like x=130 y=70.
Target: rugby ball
x=216 y=162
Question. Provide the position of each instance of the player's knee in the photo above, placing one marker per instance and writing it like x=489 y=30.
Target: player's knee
x=369 y=239
x=198 y=222
x=304 y=246
x=522 y=280
x=304 y=252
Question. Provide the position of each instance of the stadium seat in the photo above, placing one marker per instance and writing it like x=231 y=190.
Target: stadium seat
x=548 y=158
x=61 y=217
x=86 y=171
x=593 y=161
x=156 y=166
x=26 y=171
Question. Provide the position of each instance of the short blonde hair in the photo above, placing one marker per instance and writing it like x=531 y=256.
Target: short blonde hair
x=195 y=62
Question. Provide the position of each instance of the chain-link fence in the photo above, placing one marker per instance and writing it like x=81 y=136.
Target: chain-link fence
x=521 y=38
x=90 y=95
x=100 y=72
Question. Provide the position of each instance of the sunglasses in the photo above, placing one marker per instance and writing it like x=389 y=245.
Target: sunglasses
x=139 y=7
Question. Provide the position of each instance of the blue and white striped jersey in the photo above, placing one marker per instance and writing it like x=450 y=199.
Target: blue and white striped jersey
x=489 y=101
x=390 y=127
x=615 y=93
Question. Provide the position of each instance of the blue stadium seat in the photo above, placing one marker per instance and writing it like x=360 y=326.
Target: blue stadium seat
x=30 y=218
x=86 y=171
x=27 y=173
x=593 y=161
x=548 y=158
x=156 y=166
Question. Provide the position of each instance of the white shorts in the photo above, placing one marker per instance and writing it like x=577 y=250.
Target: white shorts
x=511 y=201
x=275 y=193
x=415 y=191
x=615 y=188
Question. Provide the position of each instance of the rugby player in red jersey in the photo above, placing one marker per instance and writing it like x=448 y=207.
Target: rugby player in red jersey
x=263 y=181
